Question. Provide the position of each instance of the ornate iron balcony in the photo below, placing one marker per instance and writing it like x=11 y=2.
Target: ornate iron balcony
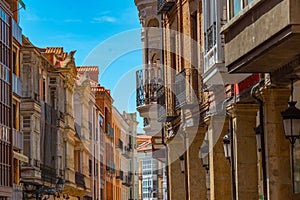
x=126 y=152
x=148 y=80
x=161 y=104
x=164 y=6
x=48 y=174
x=186 y=87
x=120 y=145
x=79 y=179
x=120 y=175
x=140 y=99
x=111 y=167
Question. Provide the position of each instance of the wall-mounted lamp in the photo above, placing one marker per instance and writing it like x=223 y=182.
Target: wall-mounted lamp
x=258 y=137
x=291 y=119
x=203 y=154
x=227 y=147
x=182 y=164
x=291 y=124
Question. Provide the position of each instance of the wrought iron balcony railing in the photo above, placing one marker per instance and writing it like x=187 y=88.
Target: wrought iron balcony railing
x=16 y=31
x=120 y=175
x=79 y=179
x=140 y=99
x=186 y=87
x=16 y=85
x=48 y=174
x=161 y=104
x=127 y=180
x=126 y=152
x=210 y=37
x=17 y=139
x=164 y=6
x=148 y=80
x=111 y=167
x=120 y=144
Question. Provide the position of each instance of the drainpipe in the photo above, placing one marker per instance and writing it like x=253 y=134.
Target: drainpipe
x=233 y=182
x=262 y=135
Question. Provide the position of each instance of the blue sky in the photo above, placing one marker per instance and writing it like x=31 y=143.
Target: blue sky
x=104 y=33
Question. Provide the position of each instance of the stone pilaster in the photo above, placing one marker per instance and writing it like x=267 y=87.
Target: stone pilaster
x=277 y=146
x=245 y=151
x=196 y=173
x=175 y=176
x=219 y=166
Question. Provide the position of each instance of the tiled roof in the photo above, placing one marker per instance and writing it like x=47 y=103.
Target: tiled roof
x=144 y=143
x=93 y=71
x=87 y=68
x=55 y=50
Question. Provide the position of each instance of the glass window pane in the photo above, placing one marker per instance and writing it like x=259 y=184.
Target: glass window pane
x=237 y=6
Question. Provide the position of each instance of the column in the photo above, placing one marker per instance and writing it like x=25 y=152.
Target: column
x=175 y=176
x=196 y=173
x=219 y=166
x=277 y=146
x=245 y=151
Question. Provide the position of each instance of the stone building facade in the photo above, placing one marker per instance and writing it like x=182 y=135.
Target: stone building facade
x=11 y=138
x=239 y=65
x=151 y=171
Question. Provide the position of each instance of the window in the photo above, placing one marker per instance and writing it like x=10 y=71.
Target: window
x=90 y=167
x=236 y=6
x=26 y=121
x=53 y=97
x=77 y=160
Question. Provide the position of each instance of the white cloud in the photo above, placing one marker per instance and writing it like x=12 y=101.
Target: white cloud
x=104 y=19
x=72 y=20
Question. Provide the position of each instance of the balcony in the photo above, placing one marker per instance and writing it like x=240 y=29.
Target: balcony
x=140 y=98
x=16 y=31
x=16 y=85
x=186 y=87
x=110 y=131
x=255 y=42
x=17 y=192
x=79 y=179
x=148 y=81
x=120 y=145
x=126 y=152
x=161 y=102
x=17 y=139
x=120 y=175
x=127 y=180
x=48 y=174
x=164 y=6
x=111 y=167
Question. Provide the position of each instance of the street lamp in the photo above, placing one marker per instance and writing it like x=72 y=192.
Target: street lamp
x=258 y=137
x=291 y=124
x=203 y=154
x=182 y=164
x=227 y=147
x=291 y=119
